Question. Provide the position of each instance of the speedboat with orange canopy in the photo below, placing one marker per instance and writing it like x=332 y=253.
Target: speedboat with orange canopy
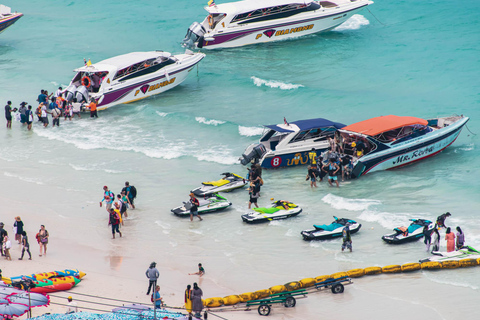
x=389 y=142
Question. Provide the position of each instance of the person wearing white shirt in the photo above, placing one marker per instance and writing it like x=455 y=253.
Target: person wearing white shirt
x=72 y=306
x=58 y=93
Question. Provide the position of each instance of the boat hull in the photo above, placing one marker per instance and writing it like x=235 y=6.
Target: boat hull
x=9 y=21
x=213 y=208
x=273 y=161
x=248 y=34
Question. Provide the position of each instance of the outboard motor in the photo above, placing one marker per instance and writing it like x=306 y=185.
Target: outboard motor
x=82 y=94
x=70 y=92
x=194 y=34
x=257 y=153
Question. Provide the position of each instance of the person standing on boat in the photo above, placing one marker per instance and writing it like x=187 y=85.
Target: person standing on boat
x=347 y=238
x=312 y=176
x=450 y=237
x=152 y=275
x=460 y=238
x=427 y=237
x=331 y=168
x=436 y=240
x=194 y=209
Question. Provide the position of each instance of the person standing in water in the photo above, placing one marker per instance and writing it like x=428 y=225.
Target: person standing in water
x=108 y=197
x=427 y=238
x=8 y=114
x=114 y=220
x=347 y=238
x=312 y=175
x=436 y=240
x=331 y=168
x=194 y=209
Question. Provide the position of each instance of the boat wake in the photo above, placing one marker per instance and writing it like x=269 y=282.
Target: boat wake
x=354 y=23
x=341 y=203
x=211 y=122
x=162 y=114
x=274 y=84
x=250 y=131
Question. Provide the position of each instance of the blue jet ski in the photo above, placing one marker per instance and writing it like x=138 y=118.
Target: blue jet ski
x=412 y=233
x=331 y=231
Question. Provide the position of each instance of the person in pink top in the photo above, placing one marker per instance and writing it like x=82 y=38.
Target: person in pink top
x=450 y=237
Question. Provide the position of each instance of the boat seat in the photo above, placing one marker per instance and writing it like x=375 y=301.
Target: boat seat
x=441 y=123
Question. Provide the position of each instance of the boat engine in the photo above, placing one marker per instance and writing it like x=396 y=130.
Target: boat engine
x=255 y=154
x=81 y=94
x=70 y=92
x=194 y=34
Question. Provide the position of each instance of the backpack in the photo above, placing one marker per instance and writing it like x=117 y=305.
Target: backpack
x=151 y=297
x=133 y=191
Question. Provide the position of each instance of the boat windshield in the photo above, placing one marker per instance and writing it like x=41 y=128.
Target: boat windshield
x=276 y=12
x=318 y=134
x=402 y=134
x=143 y=67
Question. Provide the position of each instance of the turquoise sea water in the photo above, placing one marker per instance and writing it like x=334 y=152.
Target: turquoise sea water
x=420 y=60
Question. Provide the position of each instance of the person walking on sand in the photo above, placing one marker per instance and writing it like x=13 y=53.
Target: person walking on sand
x=93 y=108
x=188 y=299
x=347 y=238
x=194 y=209
x=254 y=193
x=42 y=239
x=450 y=237
x=18 y=227
x=26 y=246
x=460 y=238
x=152 y=275
x=108 y=197
x=197 y=304
x=114 y=220
x=3 y=233
x=7 y=244
x=201 y=271
x=436 y=240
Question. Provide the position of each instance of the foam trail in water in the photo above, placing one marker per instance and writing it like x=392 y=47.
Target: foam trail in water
x=275 y=84
x=212 y=122
x=354 y=23
x=349 y=204
x=161 y=114
x=26 y=179
x=250 y=131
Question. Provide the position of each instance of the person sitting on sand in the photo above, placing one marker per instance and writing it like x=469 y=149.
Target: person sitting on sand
x=201 y=271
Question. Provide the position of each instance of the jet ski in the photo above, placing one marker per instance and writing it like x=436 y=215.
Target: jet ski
x=229 y=182
x=466 y=252
x=331 y=231
x=412 y=233
x=280 y=209
x=210 y=203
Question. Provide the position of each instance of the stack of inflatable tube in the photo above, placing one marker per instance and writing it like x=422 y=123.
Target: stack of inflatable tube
x=354 y=273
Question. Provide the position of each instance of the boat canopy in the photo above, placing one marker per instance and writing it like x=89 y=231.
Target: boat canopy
x=378 y=125
x=249 y=5
x=301 y=125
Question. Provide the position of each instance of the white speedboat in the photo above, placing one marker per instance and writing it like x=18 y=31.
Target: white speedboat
x=331 y=231
x=130 y=77
x=7 y=18
x=280 y=209
x=466 y=252
x=241 y=23
x=229 y=182
x=209 y=204
x=288 y=144
x=407 y=234
x=389 y=142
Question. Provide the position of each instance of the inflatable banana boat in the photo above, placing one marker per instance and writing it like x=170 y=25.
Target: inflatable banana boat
x=229 y=182
x=412 y=233
x=47 y=282
x=211 y=203
x=48 y=275
x=330 y=231
x=280 y=209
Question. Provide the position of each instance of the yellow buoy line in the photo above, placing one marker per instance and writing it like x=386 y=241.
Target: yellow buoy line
x=308 y=283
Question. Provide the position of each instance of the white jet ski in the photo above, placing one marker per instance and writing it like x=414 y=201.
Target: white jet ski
x=466 y=252
x=229 y=182
x=331 y=231
x=280 y=209
x=209 y=204
x=412 y=233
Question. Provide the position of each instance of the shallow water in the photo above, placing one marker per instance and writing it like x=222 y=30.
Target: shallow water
x=412 y=63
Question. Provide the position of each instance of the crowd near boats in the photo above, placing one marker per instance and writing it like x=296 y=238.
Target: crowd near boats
x=329 y=148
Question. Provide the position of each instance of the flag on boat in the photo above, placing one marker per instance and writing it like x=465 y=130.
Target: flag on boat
x=211 y=3
x=89 y=63
x=285 y=121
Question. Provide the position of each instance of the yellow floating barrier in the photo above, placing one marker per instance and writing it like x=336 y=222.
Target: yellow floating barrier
x=468 y=263
x=356 y=273
x=294 y=285
x=478 y=260
x=338 y=275
x=408 y=267
x=451 y=264
x=322 y=278
x=262 y=293
x=244 y=297
x=231 y=300
x=278 y=289
x=431 y=265
x=308 y=282
x=213 y=302
x=392 y=269
x=372 y=270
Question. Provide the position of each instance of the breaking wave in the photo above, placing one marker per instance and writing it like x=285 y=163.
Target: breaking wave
x=349 y=204
x=275 y=84
x=250 y=131
x=354 y=23
x=211 y=122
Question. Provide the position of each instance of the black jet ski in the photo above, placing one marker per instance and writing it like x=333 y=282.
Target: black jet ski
x=412 y=233
x=330 y=231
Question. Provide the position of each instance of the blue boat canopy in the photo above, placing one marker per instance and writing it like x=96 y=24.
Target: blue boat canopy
x=306 y=125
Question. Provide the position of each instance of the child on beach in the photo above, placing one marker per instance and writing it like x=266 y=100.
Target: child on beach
x=201 y=271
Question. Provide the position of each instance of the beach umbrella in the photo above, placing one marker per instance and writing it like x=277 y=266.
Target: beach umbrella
x=36 y=299
x=13 y=309
x=6 y=291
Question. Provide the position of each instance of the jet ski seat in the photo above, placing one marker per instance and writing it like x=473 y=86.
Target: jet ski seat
x=329 y=227
x=413 y=227
x=266 y=210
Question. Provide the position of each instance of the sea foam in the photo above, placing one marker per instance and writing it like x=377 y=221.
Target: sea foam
x=354 y=23
x=211 y=122
x=349 y=204
x=274 y=84
x=250 y=131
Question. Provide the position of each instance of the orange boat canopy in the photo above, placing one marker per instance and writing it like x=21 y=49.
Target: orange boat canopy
x=375 y=126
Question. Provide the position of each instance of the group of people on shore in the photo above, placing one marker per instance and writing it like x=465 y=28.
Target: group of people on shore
x=117 y=206
x=53 y=104
x=329 y=164
x=22 y=239
x=432 y=237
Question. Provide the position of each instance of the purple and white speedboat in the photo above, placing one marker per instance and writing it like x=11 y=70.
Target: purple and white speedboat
x=241 y=23
x=130 y=77
x=7 y=18
x=389 y=142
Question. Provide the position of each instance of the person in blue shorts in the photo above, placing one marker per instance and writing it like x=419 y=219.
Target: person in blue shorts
x=331 y=168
